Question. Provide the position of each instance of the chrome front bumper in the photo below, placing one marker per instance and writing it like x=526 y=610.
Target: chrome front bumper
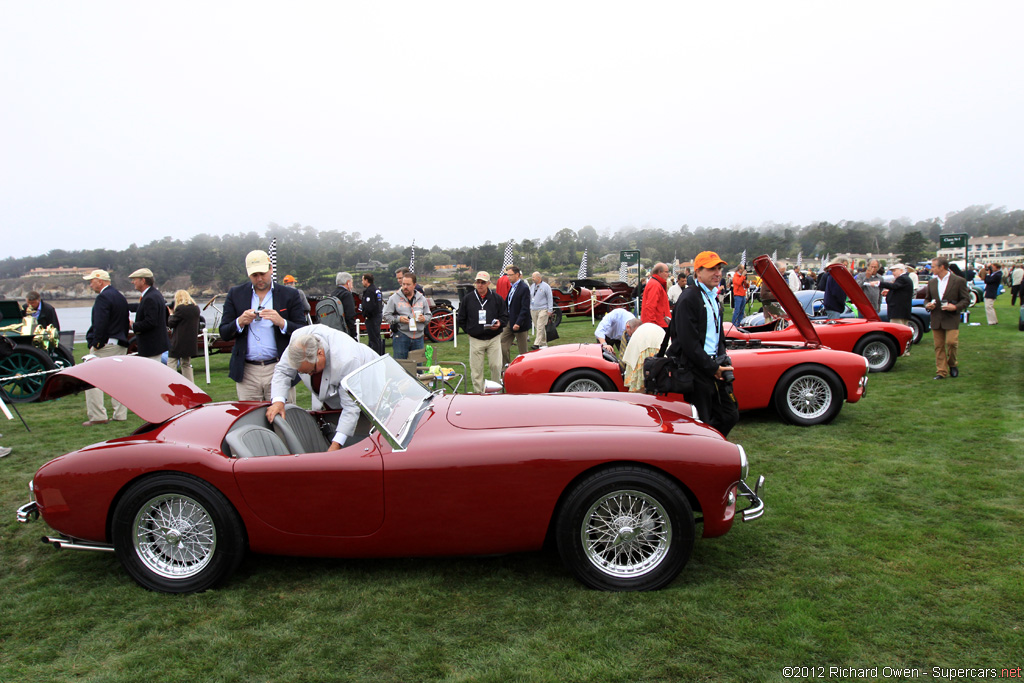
x=28 y=512
x=755 y=496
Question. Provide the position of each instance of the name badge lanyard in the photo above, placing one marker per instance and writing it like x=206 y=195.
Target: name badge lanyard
x=481 y=314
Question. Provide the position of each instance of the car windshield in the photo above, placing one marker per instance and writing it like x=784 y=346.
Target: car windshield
x=390 y=397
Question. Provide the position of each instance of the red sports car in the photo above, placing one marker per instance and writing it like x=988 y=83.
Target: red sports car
x=880 y=342
x=616 y=482
x=805 y=382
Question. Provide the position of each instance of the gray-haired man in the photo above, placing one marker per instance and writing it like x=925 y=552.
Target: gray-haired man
x=321 y=356
x=343 y=280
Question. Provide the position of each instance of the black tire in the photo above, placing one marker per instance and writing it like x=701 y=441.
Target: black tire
x=62 y=359
x=625 y=529
x=809 y=395
x=918 y=329
x=582 y=379
x=975 y=296
x=556 y=317
x=25 y=360
x=202 y=550
x=880 y=351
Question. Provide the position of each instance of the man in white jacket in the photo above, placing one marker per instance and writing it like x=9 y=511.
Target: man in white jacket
x=322 y=357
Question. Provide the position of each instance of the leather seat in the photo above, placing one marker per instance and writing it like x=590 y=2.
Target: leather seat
x=300 y=431
x=254 y=441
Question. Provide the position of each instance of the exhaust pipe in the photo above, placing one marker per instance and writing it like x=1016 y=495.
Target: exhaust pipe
x=67 y=544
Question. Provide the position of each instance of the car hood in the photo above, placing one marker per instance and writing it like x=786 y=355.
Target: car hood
x=514 y=411
x=784 y=295
x=844 y=278
x=149 y=389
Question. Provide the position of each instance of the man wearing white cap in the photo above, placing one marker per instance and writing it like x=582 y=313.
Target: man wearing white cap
x=482 y=315
x=107 y=336
x=899 y=296
x=151 y=319
x=260 y=318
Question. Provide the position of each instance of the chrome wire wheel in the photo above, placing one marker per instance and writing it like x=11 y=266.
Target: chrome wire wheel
x=809 y=396
x=584 y=384
x=174 y=536
x=626 y=534
x=878 y=354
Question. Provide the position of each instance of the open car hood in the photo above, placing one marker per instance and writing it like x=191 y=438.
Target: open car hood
x=149 y=389
x=771 y=276
x=844 y=278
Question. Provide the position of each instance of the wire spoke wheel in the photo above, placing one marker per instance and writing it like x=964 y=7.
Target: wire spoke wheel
x=626 y=534
x=174 y=536
x=809 y=397
x=584 y=384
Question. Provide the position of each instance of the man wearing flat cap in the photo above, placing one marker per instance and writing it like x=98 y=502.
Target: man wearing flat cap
x=260 y=317
x=698 y=343
x=150 y=325
x=107 y=336
x=482 y=315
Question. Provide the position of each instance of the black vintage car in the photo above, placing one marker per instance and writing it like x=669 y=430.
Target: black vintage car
x=28 y=350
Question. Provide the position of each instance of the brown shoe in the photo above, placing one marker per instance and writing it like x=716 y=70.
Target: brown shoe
x=90 y=423
x=119 y=419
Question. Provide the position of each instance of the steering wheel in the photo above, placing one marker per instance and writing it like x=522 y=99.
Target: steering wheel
x=383 y=408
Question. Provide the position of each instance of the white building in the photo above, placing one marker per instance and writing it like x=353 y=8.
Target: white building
x=1001 y=249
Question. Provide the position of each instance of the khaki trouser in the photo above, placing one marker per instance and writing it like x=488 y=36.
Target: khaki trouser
x=522 y=340
x=483 y=351
x=255 y=384
x=540 y=323
x=94 y=406
x=990 y=311
x=186 y=367
x=947 y=344
x=902 y=321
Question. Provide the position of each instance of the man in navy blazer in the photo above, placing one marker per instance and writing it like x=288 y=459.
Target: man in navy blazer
x=107 y=336
x=519 y=318
x=151 y=319
x=260 y=317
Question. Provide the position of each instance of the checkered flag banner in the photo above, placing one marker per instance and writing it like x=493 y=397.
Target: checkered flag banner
x=623 y=271
x=508 y=260
x=583 y=267
x=775 y=256
x=273 y=259
x=412 y=258
x=824 y=260
x=799 y=259
x=743 y=259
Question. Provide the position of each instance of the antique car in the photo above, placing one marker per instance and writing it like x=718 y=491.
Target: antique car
x=880 y=342
x=806 y=383
x=31 y=352
x=579 y=296
x=812 y=301
x=616 y=482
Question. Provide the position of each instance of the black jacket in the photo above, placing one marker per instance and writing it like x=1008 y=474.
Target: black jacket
x=286 y=301
x=468 y=317
x=373 y=304
x=348 y=306
x=151 y=324
x=688 y=330
x=47 y=315
x=185 y=323
x=109 y=319
x=899 y=297
x=519 y=307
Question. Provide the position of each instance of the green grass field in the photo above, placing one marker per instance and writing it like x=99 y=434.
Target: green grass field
x=892 y=538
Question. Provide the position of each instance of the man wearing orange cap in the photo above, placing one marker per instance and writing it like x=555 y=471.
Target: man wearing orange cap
x=698 y=343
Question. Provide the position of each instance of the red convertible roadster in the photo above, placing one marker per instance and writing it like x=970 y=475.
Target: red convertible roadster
x=806 y=383
x=617 y=483
x=880 y=342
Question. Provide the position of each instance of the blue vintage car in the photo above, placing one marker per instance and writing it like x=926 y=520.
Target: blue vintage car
x=811 y=301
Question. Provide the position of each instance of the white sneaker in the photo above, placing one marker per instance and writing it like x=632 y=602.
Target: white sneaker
x=4 y=452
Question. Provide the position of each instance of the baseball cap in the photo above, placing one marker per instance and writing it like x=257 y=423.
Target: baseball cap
x=141 y=272
x=483 y=275
x=257 y=261
x=708 y=259
x=288 y=279
x=898 y=266
x=98 y=274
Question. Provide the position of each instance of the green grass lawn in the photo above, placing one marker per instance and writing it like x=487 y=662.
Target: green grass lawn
x=892 y=537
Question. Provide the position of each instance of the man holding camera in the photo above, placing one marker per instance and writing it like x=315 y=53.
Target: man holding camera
x=698 y=344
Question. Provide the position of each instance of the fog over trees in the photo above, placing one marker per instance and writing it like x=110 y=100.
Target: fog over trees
x=314 y=255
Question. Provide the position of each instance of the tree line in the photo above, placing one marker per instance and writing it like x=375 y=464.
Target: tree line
x=314 y=256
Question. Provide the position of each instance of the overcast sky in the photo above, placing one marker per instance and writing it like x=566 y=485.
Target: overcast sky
x=458 y=122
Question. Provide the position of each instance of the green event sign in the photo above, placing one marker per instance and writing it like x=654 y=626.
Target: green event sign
x=953 y=241
x=629 y=256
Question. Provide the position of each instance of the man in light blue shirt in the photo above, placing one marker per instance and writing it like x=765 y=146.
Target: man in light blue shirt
x=542 y=303
x=609 y=331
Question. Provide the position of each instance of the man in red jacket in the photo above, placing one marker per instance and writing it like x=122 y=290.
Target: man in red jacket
x=656 y=308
